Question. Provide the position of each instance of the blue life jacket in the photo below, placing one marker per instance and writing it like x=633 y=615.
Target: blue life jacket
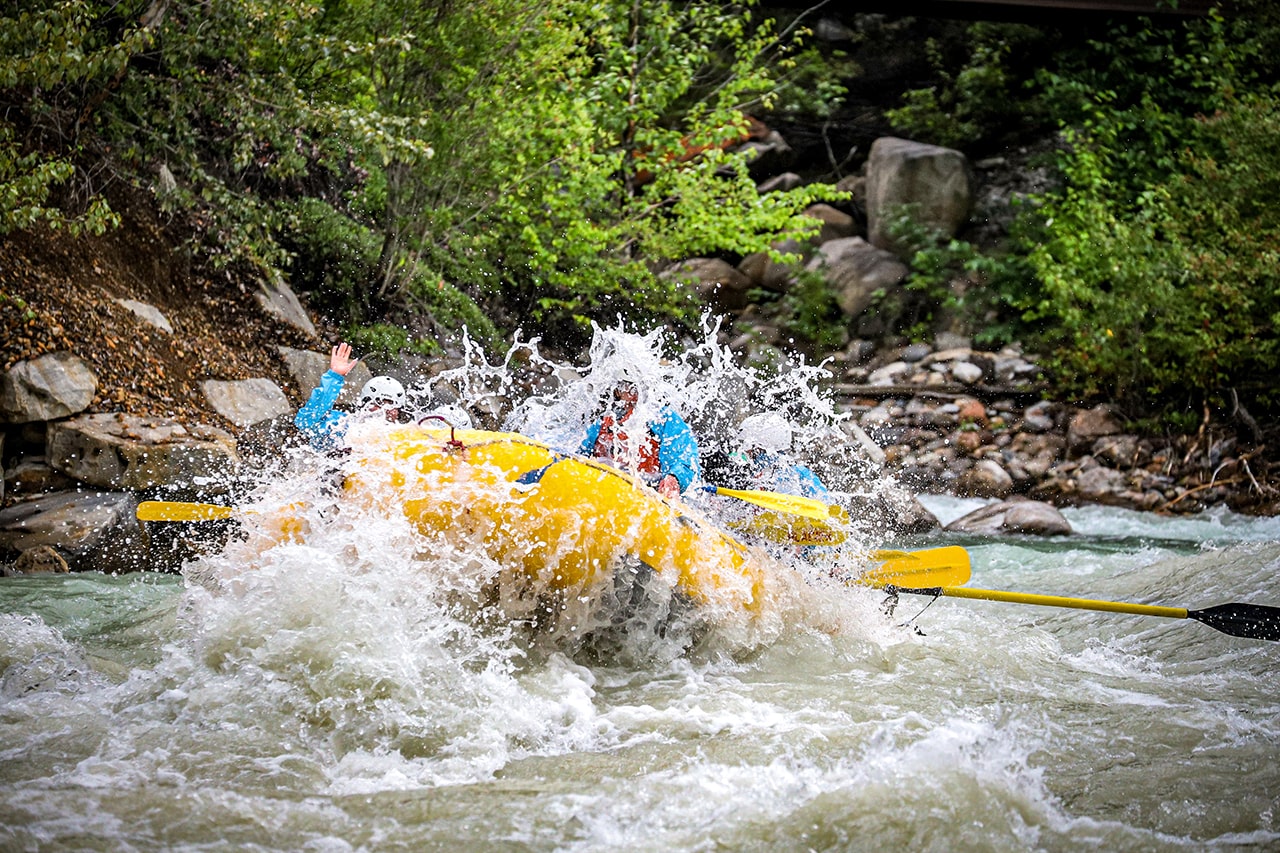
x=677 y=448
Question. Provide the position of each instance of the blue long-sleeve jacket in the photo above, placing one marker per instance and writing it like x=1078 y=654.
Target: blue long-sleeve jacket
x=677 y=448
x=779 y=474
x=322 y=425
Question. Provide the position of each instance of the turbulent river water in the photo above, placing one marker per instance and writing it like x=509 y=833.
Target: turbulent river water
x=331 y=695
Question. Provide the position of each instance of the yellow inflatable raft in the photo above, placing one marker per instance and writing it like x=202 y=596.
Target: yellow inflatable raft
x=566 y=521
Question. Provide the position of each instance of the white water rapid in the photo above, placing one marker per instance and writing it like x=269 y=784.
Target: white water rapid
x=352 y=691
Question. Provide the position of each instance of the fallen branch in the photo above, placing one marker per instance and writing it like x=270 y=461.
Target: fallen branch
x=1201 y=488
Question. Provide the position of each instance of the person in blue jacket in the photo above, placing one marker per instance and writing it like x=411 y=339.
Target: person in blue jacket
x=321 y=424
x=764 y=443
x=666 y=455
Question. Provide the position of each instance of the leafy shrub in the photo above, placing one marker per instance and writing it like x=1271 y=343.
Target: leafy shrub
x=56 y=64
x=809 y=311
x=987 y=293
x=977 y=97
x=1183 y=292
x=26 y=183
x=334 y=258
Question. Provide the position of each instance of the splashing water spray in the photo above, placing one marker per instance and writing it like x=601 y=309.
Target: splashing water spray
x=536 y=568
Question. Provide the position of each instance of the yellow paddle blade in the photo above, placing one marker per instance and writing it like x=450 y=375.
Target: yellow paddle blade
x=180 y=511
x=932 y=567
x=792 y=529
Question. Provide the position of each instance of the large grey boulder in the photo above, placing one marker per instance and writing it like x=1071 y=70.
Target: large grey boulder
x=246 y=402
x=855 y=271
x=92 y=531
x=51 y=386
x=936 y=181
x=120 y=451
x=717 y=282
x=1014 y=516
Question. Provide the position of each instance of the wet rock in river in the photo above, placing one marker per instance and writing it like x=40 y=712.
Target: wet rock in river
x=1015 y=516
x=94 y=531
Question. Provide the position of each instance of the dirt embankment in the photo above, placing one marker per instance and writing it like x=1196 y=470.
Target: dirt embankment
x=59 y=292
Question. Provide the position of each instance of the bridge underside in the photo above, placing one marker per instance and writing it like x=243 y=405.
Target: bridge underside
x=1024 y=10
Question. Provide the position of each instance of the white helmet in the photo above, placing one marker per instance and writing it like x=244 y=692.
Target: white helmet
x=457 y=416
x=768 y=431
x=382 y=390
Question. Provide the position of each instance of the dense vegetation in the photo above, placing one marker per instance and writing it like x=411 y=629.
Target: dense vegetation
x=1150 y=274
x=420 y=165
x=413 y=164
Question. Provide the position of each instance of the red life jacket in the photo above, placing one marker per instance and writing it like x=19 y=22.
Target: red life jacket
x=612 y=444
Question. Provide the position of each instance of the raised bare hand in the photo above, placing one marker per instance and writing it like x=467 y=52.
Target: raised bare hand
x=340 y=360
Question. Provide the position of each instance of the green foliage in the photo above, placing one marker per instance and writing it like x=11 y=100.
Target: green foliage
x=331 y=255
x=26 y=182
x=976 y=97
x=336 y=257
x=986 y=292
x=1178 y=290
x=52 y=46
x=388 y=341
x=238 y=105
x=544 y=158
x=620 y=165
x=812 y=84
x=1143 y=88
x=449 y=311
x=55 y=65
x=815 y=316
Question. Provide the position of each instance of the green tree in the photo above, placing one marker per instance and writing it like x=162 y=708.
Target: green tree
x=546 y=160
x=1158 y=262
x=982 y=95
x=58 y=62
x=590 y=150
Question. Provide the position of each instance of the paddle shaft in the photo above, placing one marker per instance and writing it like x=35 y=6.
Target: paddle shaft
x=183 y=511
x=1254 y=621
x=1055 y=601
x=782 y=502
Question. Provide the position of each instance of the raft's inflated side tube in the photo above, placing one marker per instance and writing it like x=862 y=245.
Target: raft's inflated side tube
x=565 y=519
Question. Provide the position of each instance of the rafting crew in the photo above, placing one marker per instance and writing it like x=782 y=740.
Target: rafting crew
x=665 y=454
x=761 y=463
x=382 y=395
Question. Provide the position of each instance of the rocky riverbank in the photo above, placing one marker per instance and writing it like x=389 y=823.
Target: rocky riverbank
x=127 y=373
x=986 y=424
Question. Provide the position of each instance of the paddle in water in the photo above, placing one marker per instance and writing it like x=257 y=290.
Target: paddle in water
x=1252 y=621
x=286 y=520
x=182 y=511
